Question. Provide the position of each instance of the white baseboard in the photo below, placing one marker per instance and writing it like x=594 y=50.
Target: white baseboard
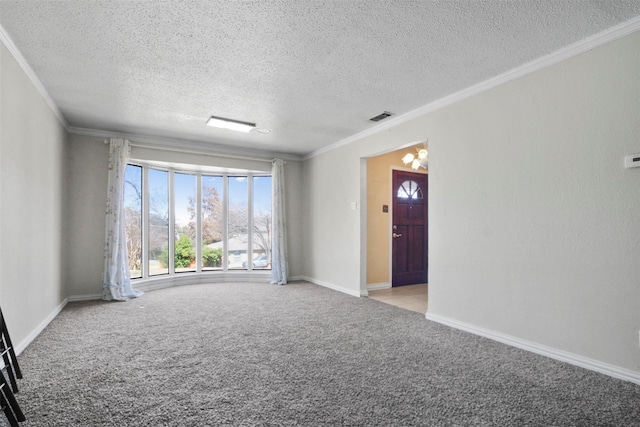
x=378 y=286
x=92 y=297
x=352 y=292
x=553 y=353
x=32 y=336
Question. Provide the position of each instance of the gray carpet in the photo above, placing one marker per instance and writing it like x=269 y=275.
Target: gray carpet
x=255 y=354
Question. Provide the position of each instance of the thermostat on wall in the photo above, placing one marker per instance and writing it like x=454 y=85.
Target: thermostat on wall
x=632 y=161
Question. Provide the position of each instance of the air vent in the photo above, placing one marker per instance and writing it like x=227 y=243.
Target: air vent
x=381 y=116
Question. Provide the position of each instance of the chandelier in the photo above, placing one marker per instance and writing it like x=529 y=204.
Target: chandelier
x=417 y=161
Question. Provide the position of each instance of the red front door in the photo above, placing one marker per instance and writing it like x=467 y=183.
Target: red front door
x=409 y=231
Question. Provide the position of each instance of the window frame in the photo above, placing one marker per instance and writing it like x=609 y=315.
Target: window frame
x=249 y=175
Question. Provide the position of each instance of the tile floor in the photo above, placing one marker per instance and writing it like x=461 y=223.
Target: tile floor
x=410 y=297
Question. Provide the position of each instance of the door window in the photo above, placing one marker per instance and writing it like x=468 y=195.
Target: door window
x=410 y=190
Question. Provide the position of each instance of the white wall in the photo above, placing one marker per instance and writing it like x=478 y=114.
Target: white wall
x=534 y=222
x=88 y=171
x=88 y=185
x=332 y=185
x=32 y=195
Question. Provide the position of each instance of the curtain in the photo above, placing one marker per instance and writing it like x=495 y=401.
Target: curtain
x=117 y=284
x=279 y=238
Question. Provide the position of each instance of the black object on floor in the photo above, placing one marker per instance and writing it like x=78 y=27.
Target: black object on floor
x=8 y=402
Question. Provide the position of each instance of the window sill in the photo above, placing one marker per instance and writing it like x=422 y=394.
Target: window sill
x=182 y=279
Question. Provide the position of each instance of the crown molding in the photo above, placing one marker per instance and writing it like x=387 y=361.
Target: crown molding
x=185 y=146
x=609 y=35
x=22 y=62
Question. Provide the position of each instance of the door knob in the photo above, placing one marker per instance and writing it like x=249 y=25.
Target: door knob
x=395 y=235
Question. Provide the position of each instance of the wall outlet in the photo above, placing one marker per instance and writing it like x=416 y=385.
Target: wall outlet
x=632 y=161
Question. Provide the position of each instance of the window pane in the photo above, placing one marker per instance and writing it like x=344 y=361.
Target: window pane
x=238 y=222
x=158 y=222
x=211 y=222
x=261 y=222
x=410 y=190
x=133 y=218
x=184 y=187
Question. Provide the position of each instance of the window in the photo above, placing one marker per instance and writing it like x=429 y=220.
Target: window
x=184 y=196
x=133 y=218
x=185 y=222
x=261 y=247
x=212 y=222
x=410 y=190
x=238 y=222
x=158 y=242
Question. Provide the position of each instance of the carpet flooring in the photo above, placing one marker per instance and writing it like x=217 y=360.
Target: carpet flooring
x=247 y=354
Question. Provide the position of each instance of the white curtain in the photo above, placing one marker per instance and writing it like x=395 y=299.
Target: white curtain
x=279 y=238
x=117 y=284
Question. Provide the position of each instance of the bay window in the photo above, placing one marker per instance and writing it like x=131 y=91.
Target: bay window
x=181 y=221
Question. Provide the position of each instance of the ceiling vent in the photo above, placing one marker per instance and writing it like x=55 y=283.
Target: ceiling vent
x=381 y=116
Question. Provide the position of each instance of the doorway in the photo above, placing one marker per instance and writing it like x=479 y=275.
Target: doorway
x=377 y=196
x=409 y=228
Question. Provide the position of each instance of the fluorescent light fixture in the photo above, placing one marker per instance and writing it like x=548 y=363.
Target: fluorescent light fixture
x=219 y=122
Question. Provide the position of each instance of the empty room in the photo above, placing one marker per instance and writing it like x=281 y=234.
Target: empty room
x=321 y=212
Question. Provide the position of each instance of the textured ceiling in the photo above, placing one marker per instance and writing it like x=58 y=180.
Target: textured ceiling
x=312 y=71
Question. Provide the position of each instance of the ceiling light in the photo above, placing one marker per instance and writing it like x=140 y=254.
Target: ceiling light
x=421 y=160
x=219 y=122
